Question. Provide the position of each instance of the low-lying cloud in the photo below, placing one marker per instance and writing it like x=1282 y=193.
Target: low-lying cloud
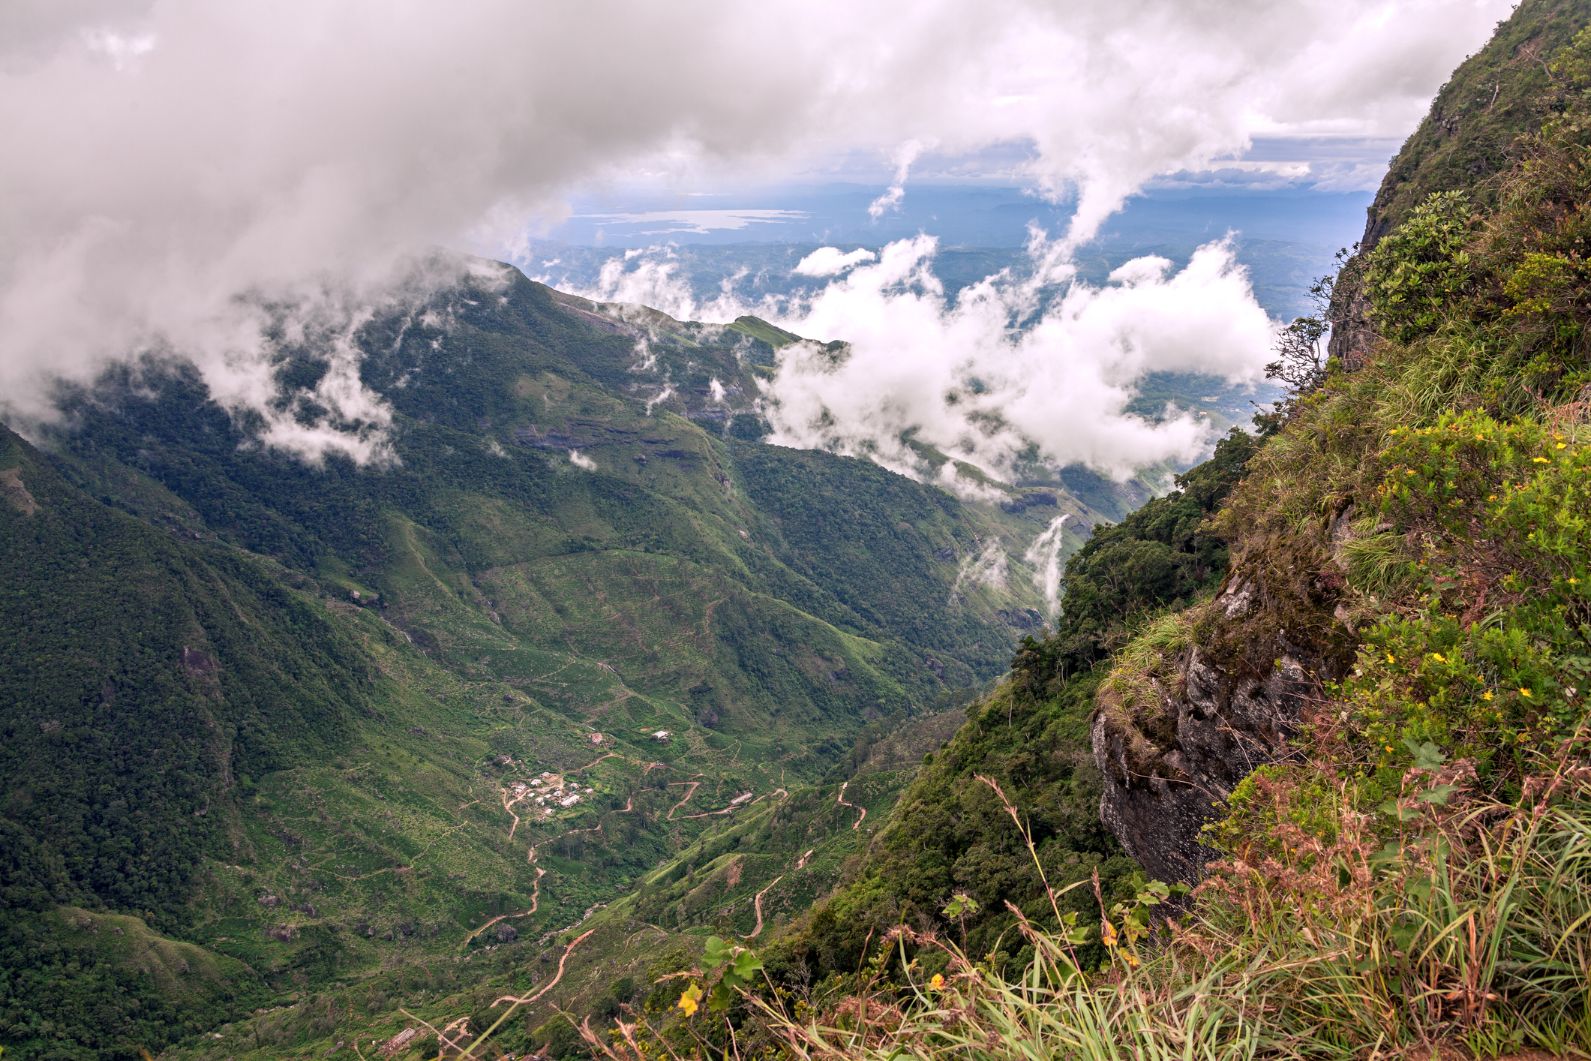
x=990 y=377
x=1030 y=368
x=172 y=165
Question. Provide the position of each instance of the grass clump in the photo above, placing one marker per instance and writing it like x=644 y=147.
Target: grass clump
x=1445 y=920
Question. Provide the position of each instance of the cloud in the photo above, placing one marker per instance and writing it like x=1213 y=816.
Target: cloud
x=699 y=222
x=172 y=166
x=1045 y=555
x=957 y=375
x=831 y=261
x=895 y=194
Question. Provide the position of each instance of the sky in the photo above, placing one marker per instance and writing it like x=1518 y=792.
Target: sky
x=174 y=167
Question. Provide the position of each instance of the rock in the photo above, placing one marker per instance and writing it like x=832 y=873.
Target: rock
x=505 y=932
x=197 y=663
x=15 y=493
x=1173 y=743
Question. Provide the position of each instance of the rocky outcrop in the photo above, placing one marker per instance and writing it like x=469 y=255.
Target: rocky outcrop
x=1175 y=729
x=15 y=492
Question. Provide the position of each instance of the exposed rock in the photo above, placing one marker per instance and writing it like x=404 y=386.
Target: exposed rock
x=1173 y=743
x=1021 y=618
x=197 y=663
x=15 y=493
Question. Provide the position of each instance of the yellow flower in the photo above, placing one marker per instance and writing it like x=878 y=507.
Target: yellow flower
x=690 y=1000
x=1561 y=445
x=1438 y=657
x=1540 y=460
x=936 y=982
x=1573 y=581
x=1487 y=695
x=1107 y=933
x=1391 y=658
x=1524 y=692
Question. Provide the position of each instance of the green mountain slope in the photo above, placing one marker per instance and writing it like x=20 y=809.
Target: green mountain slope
x=1358 y=717
x=366 y=729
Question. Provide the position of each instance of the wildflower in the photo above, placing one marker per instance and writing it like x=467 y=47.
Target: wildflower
x=1391 y=658
x=1107 y=933
x=1573 y=581
x=1561 y=445
x=1438 y=657
x=1540 y=460
x=1487 y=696
x=1524 y=692
x=936 y=982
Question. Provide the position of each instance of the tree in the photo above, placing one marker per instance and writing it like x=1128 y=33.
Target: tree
x=1301 y=346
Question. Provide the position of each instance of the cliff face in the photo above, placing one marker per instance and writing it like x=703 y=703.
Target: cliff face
x=1221 y=691
x=1204 y=697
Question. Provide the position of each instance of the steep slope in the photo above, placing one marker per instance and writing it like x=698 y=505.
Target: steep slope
x=385 y=726
x=1466 y=141
x=1480 y=309
x=1363 y=726
x=950 y=833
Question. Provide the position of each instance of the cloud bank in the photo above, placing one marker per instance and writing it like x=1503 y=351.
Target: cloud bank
x=173 y=165
x=996 y=376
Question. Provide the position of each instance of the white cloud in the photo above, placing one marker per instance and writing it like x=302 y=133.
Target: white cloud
x=1045 y=556
x=895 y=194
x=1015 y=368
x=831 y=261
x=958 y=376
x=699 y=222
x=170 y=166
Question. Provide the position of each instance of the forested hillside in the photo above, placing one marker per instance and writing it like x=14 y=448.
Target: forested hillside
x=358 y=726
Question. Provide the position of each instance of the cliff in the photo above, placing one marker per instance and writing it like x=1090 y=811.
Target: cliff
x=1464 y=300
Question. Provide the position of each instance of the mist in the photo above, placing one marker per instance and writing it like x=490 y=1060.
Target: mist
x=174 y=166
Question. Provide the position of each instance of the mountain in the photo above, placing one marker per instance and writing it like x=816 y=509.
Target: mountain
x=582 y=719
x=331 y=731
x=1336 y=684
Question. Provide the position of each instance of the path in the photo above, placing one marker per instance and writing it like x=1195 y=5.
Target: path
x=690 y=790
x=550 y=984
x=861 y=815
x=756 y=904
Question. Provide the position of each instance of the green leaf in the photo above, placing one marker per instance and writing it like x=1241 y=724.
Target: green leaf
x=1427 y=756
x=717 y=952
x=1438 y=795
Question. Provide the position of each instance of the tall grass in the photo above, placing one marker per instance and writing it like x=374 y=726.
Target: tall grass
x=1448 y=920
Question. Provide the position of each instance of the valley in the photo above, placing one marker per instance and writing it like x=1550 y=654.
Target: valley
x=614 y=665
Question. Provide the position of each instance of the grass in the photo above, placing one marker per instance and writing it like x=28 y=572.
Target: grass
x=1469 y=926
